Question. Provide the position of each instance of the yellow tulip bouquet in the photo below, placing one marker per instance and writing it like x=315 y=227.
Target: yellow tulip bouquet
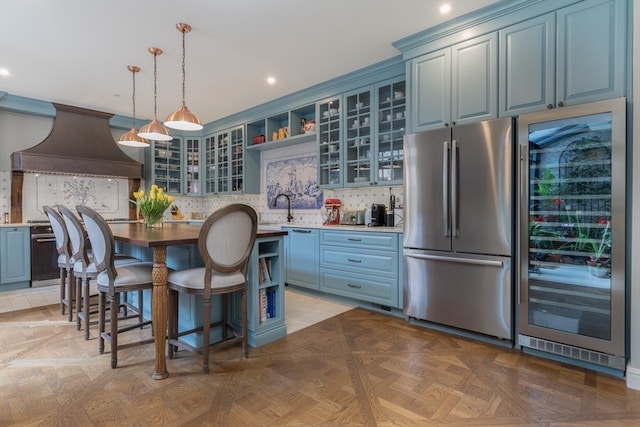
x=152 y=205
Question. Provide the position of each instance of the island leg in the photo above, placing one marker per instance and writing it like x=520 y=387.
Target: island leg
x=159 y=310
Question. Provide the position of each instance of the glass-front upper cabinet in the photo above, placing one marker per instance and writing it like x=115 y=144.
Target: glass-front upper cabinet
x=210 y=150
x=358 y=139
x=329 y=143
x=192 y=166
x=572 y=226
x=236 y=154
x=224 y=162
x=167 y=165
x=391 y=103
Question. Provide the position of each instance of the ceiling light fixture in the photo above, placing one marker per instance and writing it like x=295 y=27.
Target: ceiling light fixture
x=183 y=119
x=445 y=8
x=131 y=138
x=154 y=129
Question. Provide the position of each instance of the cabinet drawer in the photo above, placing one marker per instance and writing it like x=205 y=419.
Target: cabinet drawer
x=380 y=263
x=359 y=287
x=364 y=239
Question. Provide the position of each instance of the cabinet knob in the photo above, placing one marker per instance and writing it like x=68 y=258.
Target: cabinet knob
x=549 y=106
x=560 y=104
x=453 y=123
x=446 y=125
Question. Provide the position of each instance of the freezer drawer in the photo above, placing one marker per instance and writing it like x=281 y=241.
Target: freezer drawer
x=471 y=292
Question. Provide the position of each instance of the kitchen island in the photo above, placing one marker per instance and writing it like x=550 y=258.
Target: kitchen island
x=268 y=246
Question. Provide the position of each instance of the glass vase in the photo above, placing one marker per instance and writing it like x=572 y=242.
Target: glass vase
x=153 y=222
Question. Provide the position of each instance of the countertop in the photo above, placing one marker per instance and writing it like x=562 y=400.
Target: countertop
x=19 y=224
x=363 y=228
x=280 y=225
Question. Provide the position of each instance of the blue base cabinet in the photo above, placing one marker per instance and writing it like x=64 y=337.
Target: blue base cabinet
x=15 y=257
x=302 y=257
x=361 y=265
x=265 y=295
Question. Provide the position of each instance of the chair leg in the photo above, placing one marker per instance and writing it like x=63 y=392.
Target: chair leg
x=70 y=292
x=172 y=330
x=113 y=326
x=86 y=307
x=102 y=303
x=79 y=300
x=245 y=353
x=140 y=302
x=225 y=316
x=62 y=289
x=206 y=325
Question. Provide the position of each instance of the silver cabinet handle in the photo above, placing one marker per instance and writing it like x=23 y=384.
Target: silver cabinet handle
x=353 y=239
x=297 y=230
x=354 y=286
x=354 y=260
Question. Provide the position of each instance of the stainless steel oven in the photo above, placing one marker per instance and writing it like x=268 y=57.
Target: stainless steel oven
x=44 y=255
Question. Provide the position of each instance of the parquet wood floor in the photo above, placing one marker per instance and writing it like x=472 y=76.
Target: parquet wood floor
x=359 y=368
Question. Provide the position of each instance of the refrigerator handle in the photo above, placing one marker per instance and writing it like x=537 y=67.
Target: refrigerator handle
x=455 y=232
x=446 y=227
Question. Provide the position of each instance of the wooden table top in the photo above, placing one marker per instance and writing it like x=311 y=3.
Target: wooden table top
x=169 y=234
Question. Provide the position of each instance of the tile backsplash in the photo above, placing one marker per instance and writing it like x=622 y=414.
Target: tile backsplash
x=351 y=198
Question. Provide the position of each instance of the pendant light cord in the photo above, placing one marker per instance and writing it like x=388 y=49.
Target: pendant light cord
x=133 y=98
x=155 y=86
x=183 y=69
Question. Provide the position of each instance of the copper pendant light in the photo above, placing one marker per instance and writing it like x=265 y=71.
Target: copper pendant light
x=155 y=130
x=131 y=138
x=183 y=119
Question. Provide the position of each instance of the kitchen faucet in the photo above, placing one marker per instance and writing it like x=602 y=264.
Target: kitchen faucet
x=275 y=202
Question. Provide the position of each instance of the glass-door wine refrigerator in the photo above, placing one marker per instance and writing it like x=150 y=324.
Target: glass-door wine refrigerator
x=571 y=296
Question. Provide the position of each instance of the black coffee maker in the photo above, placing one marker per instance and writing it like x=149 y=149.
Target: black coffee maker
x=378 y=216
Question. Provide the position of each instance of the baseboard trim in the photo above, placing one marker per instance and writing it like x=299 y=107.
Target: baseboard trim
x=633 y=377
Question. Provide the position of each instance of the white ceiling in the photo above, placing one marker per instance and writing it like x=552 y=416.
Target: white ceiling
x=76 y=51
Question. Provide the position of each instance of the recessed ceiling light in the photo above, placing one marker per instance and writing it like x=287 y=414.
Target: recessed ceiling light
x=4 y=72
x=271 y=80
x=445 y=8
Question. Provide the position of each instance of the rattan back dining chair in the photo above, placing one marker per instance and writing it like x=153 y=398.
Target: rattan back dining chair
x=225 y=242
x=112 y=281
x=65 y=259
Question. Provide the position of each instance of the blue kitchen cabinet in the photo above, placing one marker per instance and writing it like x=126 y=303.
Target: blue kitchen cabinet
x=302 y=257
x=228 y=167
x=15 y=257
x=330 y=140
x=568 y=57
x=265 y=293
x=362 y=265
x=454 y=85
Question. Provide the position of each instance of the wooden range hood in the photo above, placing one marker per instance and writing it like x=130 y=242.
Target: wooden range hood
x=80 y=143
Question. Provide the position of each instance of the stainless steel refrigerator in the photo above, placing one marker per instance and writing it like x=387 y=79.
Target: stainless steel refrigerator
x=459 y=227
